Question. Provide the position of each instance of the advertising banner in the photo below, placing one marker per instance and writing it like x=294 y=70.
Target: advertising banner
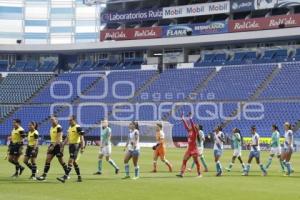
x=196 y=10
x=195 y=29
x=141 y=15
x=255 y=24
x=248 y=5
x=130 y=34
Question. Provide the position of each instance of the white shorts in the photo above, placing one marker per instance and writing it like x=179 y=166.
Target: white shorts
x=237 y=152
x=201 y=150
x=276 y=151
x=105 y=151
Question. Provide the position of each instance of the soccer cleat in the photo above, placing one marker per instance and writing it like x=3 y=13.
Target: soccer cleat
x=199 y=176
x=219 y=174
x=264 y=174
x=126 y=177
x=179 y=175
x=153 y=171
x=245 y=174
x=21 y=170
x=41 y=178
x=189 y=169
x=15 y=175
x=205 y=170
x=98 y=173
x=32 y=177
x=79 y=179
x=117 y=171
x=135 y=178
x=228 y=169
x=61 y=179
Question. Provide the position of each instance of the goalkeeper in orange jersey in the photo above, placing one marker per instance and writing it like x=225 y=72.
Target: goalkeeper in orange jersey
x=160 y=149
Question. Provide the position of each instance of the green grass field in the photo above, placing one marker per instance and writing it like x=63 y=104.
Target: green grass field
x=163 y=185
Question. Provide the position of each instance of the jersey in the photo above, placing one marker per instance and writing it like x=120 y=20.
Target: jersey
x=54 y=133
x=74 y=134
x=255 y=140
x=160 y=136
x=32 y=138
x=105 y=136
x=17 y=135
x=275 y=139
x=288 y=136
x=134 y=138
x=201 y=139
x=237 y=141
x=219 y=138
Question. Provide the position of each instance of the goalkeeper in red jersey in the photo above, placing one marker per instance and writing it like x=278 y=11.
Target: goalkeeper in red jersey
x=192 y=149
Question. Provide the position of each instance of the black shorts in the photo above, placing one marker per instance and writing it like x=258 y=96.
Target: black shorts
x=55 y=150
x=15 y=149
x=31 y=152
x=74 y=150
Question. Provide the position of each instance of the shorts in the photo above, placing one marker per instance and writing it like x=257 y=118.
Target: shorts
x=218 y=152
x=160 y=152
x=74 y=150
x=201 y=150
x=135 y=153
x=105 y=151
x=55 y=150
x=31 y=152
x=191 y=152
x=276 y=151
x=15 y=149
x=288 y=150
x=237 y=152
x=254 y=154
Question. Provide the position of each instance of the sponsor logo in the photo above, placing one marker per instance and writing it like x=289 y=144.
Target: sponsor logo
x=178 y=31
x=215 y=27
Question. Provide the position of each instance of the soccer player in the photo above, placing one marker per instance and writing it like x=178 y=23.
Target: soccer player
x=288 y=148
x=254 y=153
x=192 y=149
x=75 y=139
x=200 y=141
x=32 y=149
x=160 y=149
x=237 y=149
x=275 y=147
x=105 y=148
x=132 y=150
x=16 y=146
x=219 y=139
x=55 y=148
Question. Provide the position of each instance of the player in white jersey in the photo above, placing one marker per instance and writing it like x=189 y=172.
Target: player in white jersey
x=254 y=153
x=200 y=141
x=275 y=147
x=288 y=147
x=237 y=149
x=219 y=139
x=132 y=150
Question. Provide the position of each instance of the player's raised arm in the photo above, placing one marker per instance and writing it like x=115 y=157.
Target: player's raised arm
x=186 y=126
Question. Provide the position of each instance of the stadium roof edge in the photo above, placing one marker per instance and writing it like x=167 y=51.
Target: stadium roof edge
x=191 y=41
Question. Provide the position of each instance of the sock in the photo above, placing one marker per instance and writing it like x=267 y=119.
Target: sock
x=183 y=166
x=77 y=170
x=46 y=169
x=33 y=169
x=168 y=164
x=247 y=169
x=17 y=167
x=154 y=165
x=219 y=166
x=127 y=169
x=137 y=171
x=68 y=170
x=193 y=165
x=288 y=167
x=203 y=161
x=243 y=166
x=65 y=167
x=281 y=165
x=269 y=162
x=112 y=163
x=28 y=165
x=230 y=166
x=262 y=168
x=99 y=165
x=198 y=166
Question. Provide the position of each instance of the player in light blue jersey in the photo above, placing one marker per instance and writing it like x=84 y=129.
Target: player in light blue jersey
x=132 y=150
x=200 y=143
x=237 y=149
x=219 y=140
x=288 y=148
x=105 y=148
x=275 y=147
x=254 y=153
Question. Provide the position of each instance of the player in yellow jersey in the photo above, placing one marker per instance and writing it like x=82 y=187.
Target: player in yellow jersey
x=75 y=139
x=55 y=148
x=32 y=148
x=160 y=149
x=16 y=146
